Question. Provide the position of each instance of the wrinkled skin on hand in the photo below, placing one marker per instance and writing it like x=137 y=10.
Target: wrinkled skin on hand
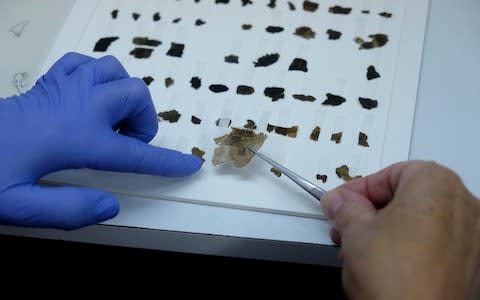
x=83 y=113
x=410 y=231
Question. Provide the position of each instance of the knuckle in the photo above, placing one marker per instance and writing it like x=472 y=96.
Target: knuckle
x=138 y=87
x=70 y=55
x=111 y=60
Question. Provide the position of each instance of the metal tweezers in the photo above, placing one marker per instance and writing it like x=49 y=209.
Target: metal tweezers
x=311 y=188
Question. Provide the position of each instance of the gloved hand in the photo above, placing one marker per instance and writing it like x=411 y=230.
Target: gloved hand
x=84 y=113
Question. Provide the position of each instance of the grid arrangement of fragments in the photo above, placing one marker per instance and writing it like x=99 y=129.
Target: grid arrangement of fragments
x=314 y=77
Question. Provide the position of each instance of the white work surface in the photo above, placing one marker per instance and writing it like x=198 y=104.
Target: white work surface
x=447 y=102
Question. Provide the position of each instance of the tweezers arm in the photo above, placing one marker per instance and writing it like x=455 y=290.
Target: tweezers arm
x=317 y=193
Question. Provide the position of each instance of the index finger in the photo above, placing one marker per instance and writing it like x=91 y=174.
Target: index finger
x=380 y=187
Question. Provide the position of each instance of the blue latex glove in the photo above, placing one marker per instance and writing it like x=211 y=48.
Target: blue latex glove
x=84 y=113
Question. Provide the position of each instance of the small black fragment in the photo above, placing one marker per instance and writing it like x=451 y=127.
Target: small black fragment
x=334 y=100
x=385 y=14
x=196 y=120
x=177 y=20
x=298 y=64
x=156 y=17
x=218 y=88
x=114 y=13
x=199 y=22
x=231 y=59
x=368 y=103
x=222 y=1
x=274 y=29
x=276 y=93
x=135 y=16
x=246 y=2
x=247 y=26
x=366 y=12
x=372 y=73
x=333 y=34
x=103 y=43
x=272 y=3
x=176 y=50
x=245 y=90
x=340 y=10
x=141 y=52
x=306 y=98
x=196 y=82
x=291 y=6
x=169 y=82
x=144 y=41
x=148 y=80
x=267 y=60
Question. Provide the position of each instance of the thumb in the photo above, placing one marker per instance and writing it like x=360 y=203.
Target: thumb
x=346 y=208
x=55 y=207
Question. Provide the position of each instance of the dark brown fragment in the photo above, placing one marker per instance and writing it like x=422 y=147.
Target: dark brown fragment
x=333 y=100
x=310 y=6
x=274 y=29
x=199 y=22
x=275 y=93
x=340 y=10
x=196 y=120
x=315 y=134
x=368 y=103
x=135 y=16
x=148 y=80
x=337 y=137
x=333 y=34
x=308 y=98
x=231 y=59
x=103 y=43
x=196 y=82
x=245 y=90
x=372 y=73
x=250 y=125
x=305 y=32
x=169 y=82
x=145 y=41
x=298 y=64
x=246 y=26
x=171 y=116
x=276 y=171
x=385 y=14
x=176 y=50
x=322 y=178
x=343 y=173
x=363 y=139
x=198 y=153
x=290 y=132
x=141 y=53
x=267 y=60
x=377 y=40
x=218 y=88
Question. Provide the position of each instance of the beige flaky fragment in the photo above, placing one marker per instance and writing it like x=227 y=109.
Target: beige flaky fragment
x=233 y=147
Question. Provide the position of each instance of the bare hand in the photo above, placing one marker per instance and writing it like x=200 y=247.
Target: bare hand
x=410 y=231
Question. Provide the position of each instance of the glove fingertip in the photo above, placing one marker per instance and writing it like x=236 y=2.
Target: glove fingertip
x=107 y=208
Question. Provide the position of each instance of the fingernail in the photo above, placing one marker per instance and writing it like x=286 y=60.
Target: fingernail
x=107 y=208
x=331 y=202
